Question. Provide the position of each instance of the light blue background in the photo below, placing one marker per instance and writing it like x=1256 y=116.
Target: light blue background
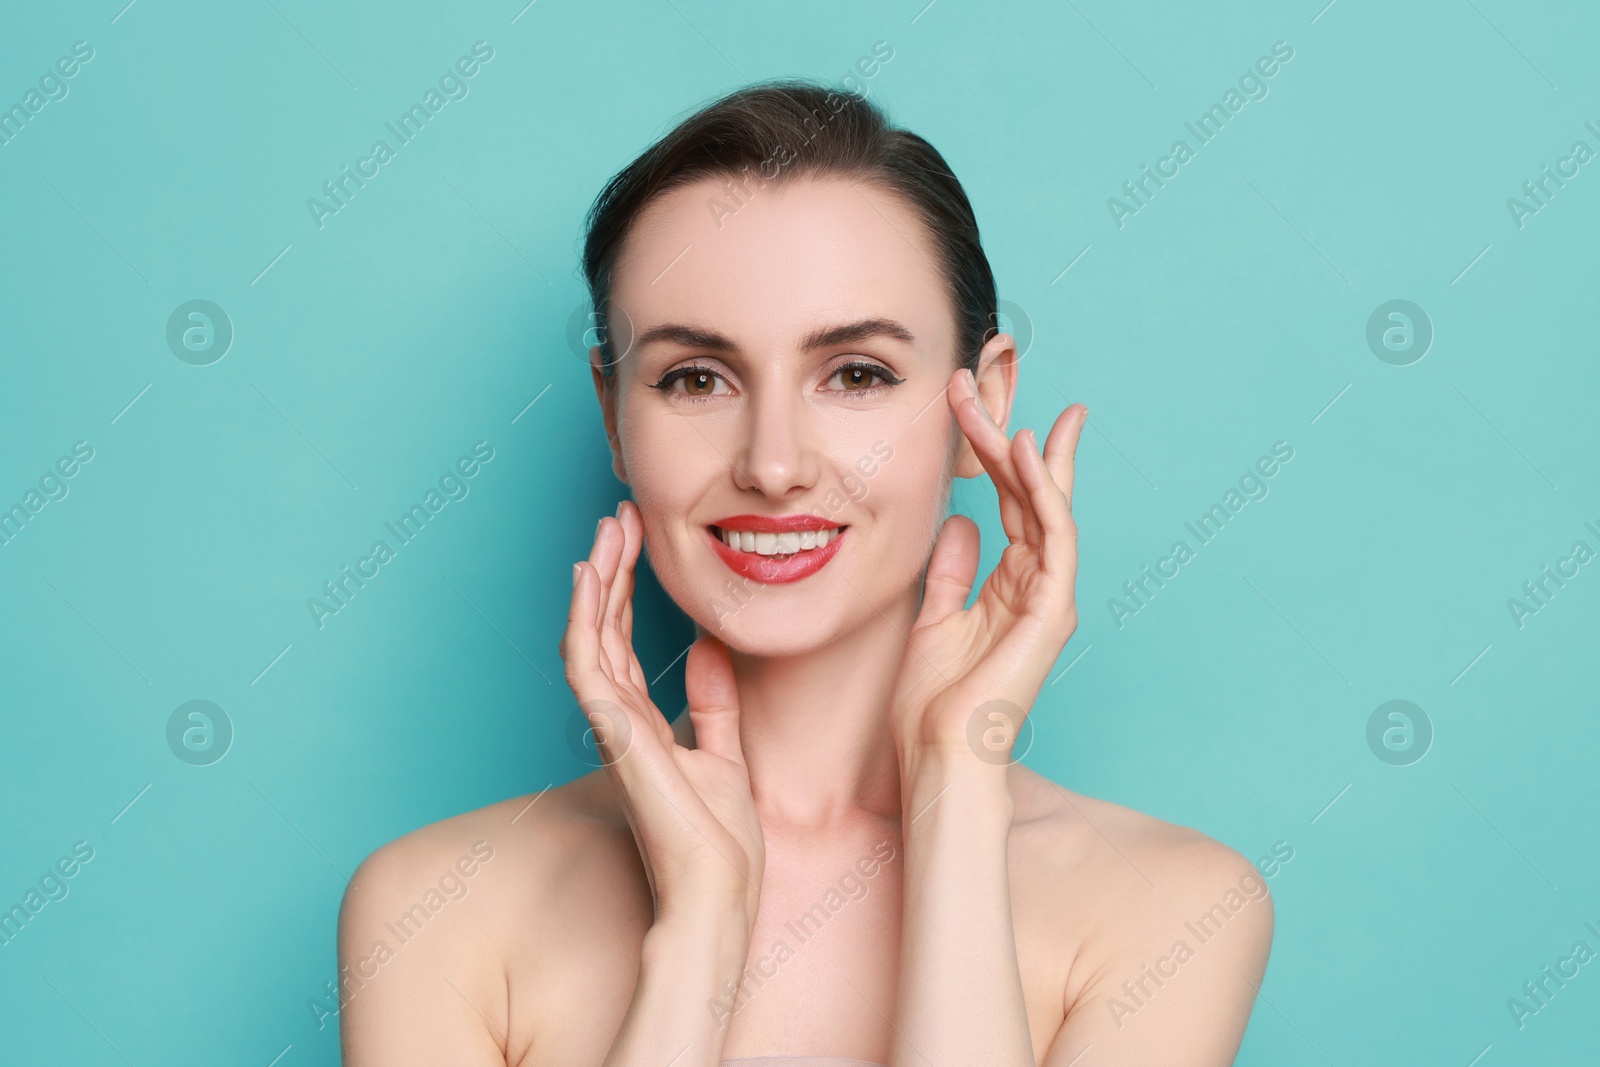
x=428 y=314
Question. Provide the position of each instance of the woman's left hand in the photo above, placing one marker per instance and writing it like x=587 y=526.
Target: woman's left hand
x=970 y=675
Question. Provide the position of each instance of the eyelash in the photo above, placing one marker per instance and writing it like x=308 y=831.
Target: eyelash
x=887 y=380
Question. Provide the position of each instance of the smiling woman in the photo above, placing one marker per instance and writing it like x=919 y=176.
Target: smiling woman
x=747 y=372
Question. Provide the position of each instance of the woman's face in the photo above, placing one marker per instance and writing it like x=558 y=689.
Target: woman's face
x=784 y=360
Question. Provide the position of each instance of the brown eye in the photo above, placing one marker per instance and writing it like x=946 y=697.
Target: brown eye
x=863 y=378
x=856 y=377
x=699 y=383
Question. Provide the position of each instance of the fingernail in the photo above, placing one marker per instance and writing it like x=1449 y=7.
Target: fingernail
x=618 y=513
x=598 y=524
x=576 y=571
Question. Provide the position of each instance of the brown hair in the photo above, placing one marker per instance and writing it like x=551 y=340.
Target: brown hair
x=836 y=133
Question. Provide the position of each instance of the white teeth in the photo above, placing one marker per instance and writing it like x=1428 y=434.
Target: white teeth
x=778 y=544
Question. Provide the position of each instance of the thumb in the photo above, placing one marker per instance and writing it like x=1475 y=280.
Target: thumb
x=713 y=698
x=951 y=571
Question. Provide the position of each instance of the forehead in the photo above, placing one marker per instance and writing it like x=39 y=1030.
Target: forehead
x=796 y=255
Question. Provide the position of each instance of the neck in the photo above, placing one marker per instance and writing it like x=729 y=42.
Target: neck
x=815 y=727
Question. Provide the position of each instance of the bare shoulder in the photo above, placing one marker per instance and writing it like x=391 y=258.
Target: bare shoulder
x=1143 y=902
x=505 y=851
x=1076 y=828
x=1132 y=866
x=459 y=902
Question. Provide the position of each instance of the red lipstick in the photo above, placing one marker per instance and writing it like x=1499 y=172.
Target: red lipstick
x=775 y=570
x=776 y=523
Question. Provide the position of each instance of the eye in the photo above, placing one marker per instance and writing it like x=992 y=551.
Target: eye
x=699 y=382
x=857 y=377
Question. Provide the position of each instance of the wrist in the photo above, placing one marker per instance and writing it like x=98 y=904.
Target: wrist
x=700 y=956
x=722 y=931
x=980 y=749
x=943 y=784
x=687 y=964
x=710 y=903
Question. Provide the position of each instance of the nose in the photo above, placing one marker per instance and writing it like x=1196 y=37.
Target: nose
x=778 y=454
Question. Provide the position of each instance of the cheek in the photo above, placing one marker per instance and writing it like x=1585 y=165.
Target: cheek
x=907 y=495
x=669 y=467
x=660 y=456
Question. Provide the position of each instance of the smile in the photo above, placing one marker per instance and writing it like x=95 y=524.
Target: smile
x=775 y=549
x=777 y=544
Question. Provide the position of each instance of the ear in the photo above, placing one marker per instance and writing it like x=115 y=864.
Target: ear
x=605 y=390
x=996 y=375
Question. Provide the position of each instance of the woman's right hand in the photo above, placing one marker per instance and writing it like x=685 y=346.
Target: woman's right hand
x=691 y=810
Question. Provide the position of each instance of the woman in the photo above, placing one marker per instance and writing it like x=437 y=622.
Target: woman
x=833 y=856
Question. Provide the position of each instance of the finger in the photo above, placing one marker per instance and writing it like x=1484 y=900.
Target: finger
x=713 y=698
x=630 y=513
x=627 y=635
x=621 y=633
x=993 y=449
x=617 y=717
x=647 y=779
x=622 y=579
x=1024 y=445
x=1058 y=537
x=589 y=676
x=580 y=642
x=989 y=441
x=606 y=556
x=618 y=648
x=1061 y=447
x=603 y=556
x=951 y=571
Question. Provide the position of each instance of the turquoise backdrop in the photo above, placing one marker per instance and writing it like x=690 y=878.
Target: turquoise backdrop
x=233 y=455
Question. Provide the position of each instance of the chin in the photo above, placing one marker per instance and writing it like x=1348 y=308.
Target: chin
x=767 y=620
x=757 y=619
x=782 y=639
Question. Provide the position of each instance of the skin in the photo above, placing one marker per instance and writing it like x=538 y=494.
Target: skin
x=827 y=732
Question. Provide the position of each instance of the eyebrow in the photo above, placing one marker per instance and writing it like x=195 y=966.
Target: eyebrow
x=823 y=337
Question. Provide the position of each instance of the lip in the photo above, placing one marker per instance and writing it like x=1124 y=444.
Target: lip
x=770 y=570
x=776 y=523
